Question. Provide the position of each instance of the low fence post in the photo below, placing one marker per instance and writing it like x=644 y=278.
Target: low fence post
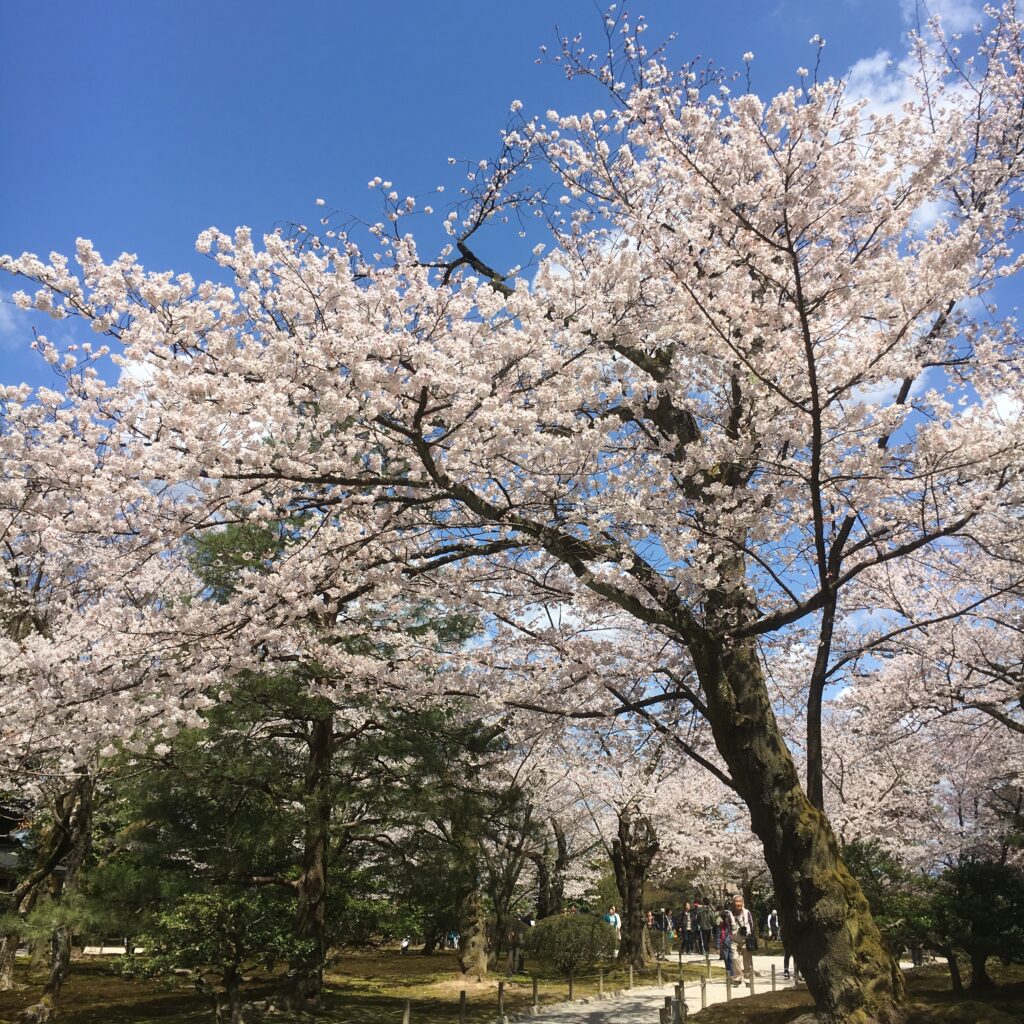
x=600 y=984
x=630 y=975
x=535 y=1002
x=501 y=999
x=773 y=977
x=703 y=993
x=407 y=1012
x=750 y=983
x=728 y=988
x=462 y=1007
x=572 y=984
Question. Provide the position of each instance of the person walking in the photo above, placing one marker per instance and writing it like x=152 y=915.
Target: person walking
x=686 y=925
x=705 y=925
x=663 y=930
x=740 y=939
x=773 y=926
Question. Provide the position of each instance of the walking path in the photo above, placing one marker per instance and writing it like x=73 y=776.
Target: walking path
x=641 y=1005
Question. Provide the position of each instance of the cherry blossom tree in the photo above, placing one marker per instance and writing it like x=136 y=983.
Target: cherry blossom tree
x=761 y=363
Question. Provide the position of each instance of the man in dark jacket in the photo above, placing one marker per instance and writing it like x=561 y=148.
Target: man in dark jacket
x=705 y=924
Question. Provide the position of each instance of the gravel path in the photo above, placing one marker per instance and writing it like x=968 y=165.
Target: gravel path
x=641 y=1005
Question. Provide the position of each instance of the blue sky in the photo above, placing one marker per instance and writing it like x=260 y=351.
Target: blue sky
x=138 y=124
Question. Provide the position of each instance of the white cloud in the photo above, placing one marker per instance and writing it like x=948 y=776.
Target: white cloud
x=956 y=15
x=1007 y=408
x=883 y=82
x=13 y=329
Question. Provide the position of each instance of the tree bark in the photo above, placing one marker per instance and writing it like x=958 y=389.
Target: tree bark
x=306 y=977
x=8 y=949
x=980 y=980
x=473 y=929
x=561 y=866
x=954 y=969
x=823 y=912
x=544 y=896
x=58 y=842
x=551 y=868
x=633 y=850
x=233 y=988
x=81 y=841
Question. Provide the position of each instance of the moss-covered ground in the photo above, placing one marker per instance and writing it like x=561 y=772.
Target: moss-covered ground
x=363 y=988
x=372 y=987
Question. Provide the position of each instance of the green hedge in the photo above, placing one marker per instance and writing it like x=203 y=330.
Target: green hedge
x=571 y=943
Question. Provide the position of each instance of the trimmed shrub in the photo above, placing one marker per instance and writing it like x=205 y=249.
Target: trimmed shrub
x=571 y=943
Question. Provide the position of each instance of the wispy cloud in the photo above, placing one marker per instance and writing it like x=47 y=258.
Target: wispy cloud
x=15 y=331
x=956 y=15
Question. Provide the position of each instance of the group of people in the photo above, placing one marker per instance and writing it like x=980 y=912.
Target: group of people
x=699 y=928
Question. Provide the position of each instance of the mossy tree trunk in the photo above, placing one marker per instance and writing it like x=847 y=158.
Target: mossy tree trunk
x=633 y=850
x=473 y=930
x=8 y=949
x=824 y=914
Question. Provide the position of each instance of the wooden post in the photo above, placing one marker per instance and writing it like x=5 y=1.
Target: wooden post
x=535 y=1001
x=630 y=976
x=462 y=1007
x=572 y=985
x=728 y=988
x=663 y=1016
x=703 y=993
x=407 y=1013
x=501 y=999
x=600 y=984
x=750 y=983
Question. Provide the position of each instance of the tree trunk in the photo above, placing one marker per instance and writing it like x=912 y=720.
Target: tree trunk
x=824 y=914
x=954 y=969
x=79 y=828
x=60 y=966
x=980 y=980
x=306 y=977
x=551 y=868
x=544 y=896
x=233 y=988
x=8 y=949
x=429 y=942
x=59 y=840
x=561 y=866
x=633 y=850
x=473 y=927
x=38 y=952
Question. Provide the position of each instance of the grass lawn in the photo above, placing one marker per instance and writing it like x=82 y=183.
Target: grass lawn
x=362 y=988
